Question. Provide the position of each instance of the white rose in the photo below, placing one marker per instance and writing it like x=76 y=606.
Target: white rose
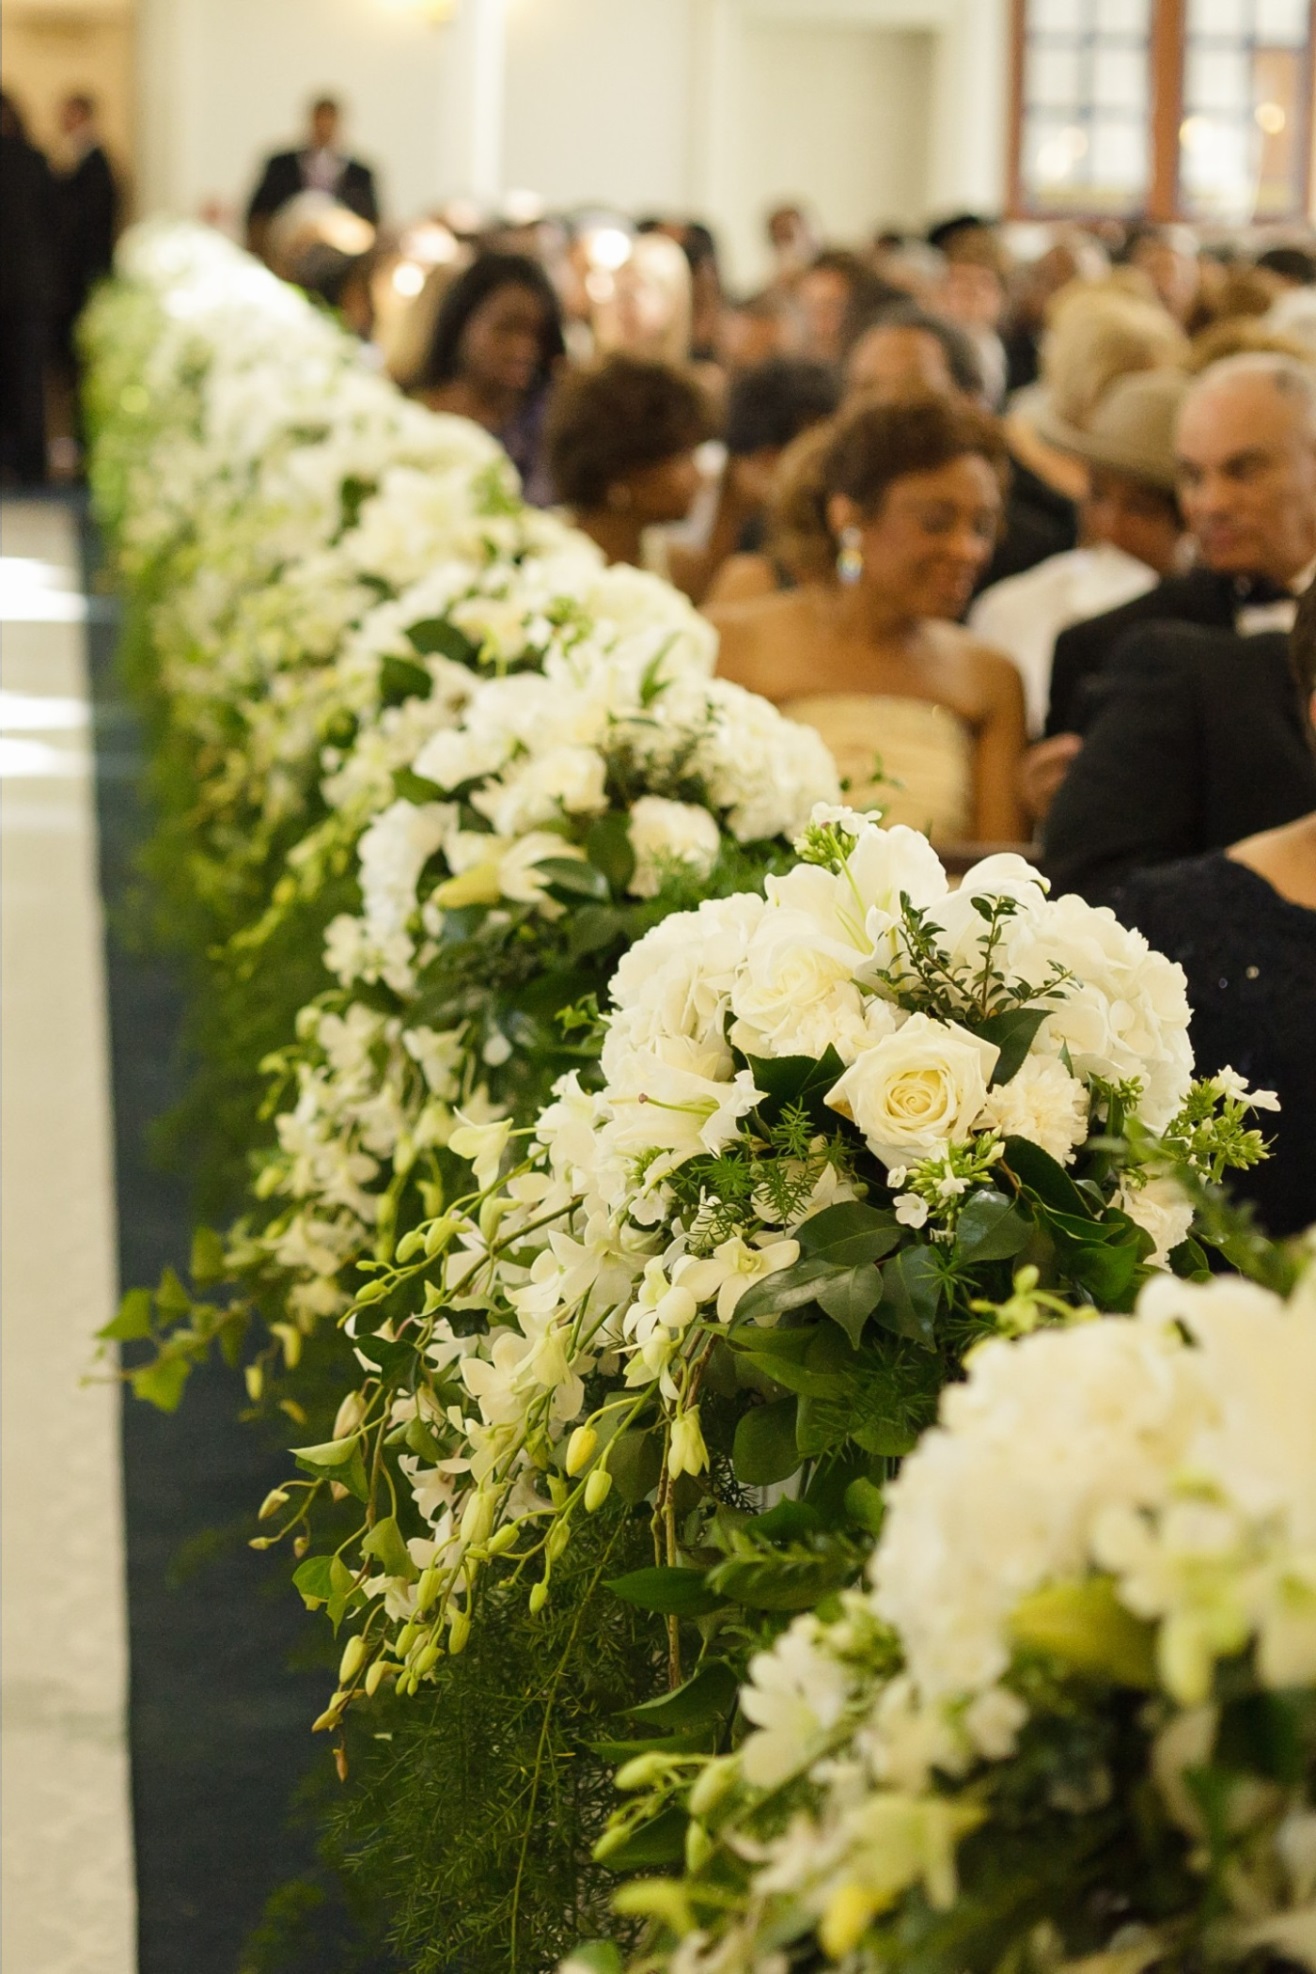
x=664 y=833
x=566 y=778
x=918 y=1090
x=1041 y=1102
x=791 y=970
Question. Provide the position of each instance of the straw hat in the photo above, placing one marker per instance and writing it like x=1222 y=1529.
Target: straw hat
x=1132 y=429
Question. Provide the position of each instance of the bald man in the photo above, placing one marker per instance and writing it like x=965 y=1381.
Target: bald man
x=1246 y=446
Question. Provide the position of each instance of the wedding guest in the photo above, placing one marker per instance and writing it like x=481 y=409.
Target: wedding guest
x=318 y=166
x=972 y=293
x=833 y=296
x=1197 y=737
x=1242 y=924
x=767 y=410
x=793 y=242
x=1171 y=259
x=28 y=295
x=621 y=439
x=86 y=211
x=1130 y=530
x=1246 y=446
x=497 y=340
x=906 y=350
x=902 y=509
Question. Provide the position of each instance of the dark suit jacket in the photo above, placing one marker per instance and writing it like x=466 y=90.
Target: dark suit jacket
x=1198 y=738
x=1200 y=597
x=86 y=207
x=282 y=179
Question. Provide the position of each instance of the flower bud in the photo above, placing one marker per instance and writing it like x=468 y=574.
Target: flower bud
x=849 y=1913
x=712 y=1784
x=254 y=1374
x=698 y=1847
x=558 y=1538
x=458 y=1632
x=427 y=1588
x=375 y=1672
x=597 y=1489
x=349 y=1415
x=580 y=1449
x=477 y=1518
x=332 y=1714
x=424 y=1661
x=407 y=1637
x=538 y=1597
x=504 y=1538
x=354 y=1653
x=272 y=1503
x=641 y=1770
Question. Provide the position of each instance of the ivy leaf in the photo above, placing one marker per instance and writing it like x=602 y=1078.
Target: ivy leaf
x=608 y=847
x=1044 y=1178
x=849 y=1233
x=703 y=1699
x=911 y=1295
x=342 y=1591
x=132 y=1322
x=385 y=1544
x=673 y=1592
x=1013 y=1033
x=315 y=1581
x=990 y=1228
x=764 y=1450
x=162 y=1384
x=207 y=1261
x=851 y=1297
x=171 y=1298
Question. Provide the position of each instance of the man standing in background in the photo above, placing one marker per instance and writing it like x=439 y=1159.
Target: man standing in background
x=27 y=299
x=86 y=211
x=319 y=166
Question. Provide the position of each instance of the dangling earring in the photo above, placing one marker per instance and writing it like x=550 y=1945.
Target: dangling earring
x=850 y=557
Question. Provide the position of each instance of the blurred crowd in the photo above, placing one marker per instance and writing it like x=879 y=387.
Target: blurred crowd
x=1021 y=517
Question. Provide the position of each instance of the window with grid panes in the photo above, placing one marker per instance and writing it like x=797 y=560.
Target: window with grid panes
x=1246 y=125
x=1085 y=103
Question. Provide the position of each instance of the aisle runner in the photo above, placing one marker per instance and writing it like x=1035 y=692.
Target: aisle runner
x=67 y=1852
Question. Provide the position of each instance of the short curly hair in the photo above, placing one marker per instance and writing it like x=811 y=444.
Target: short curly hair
x=613 y=417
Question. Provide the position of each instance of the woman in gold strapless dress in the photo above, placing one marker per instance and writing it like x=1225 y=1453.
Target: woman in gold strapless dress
x=902 y=503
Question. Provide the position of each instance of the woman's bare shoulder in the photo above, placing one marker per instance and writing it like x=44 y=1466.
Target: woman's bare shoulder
x=758 y=640
x=975 y=658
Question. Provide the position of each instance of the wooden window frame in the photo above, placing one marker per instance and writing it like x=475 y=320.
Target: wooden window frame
x=1166 y=56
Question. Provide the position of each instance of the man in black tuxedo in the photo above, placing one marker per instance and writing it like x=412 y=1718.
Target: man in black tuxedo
x=1246 y=444
x=86 y=211
x=1195 y=739
x=318 y=167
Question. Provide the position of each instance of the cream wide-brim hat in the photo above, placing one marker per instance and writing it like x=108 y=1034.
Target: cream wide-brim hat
x=1131 y=430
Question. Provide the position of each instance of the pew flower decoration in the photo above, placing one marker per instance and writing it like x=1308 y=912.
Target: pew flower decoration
x=828 y=1122
x=1072 y=1708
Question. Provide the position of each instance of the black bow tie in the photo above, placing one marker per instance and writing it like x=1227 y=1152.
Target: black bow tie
x=1257 y=590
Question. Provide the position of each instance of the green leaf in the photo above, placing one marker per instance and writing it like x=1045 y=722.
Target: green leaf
x=865 y=1503
x=784 y=1580
x=330 y=1453
x=673 y=1592
x=207 y=1264
x=162 y=1384
x=1013 y=1033
x=850 y=1298
x=1085 y=1626
x=660 y=1842
x=850 y=1233
x=789 y=1288
x=801 y=1081
x=574 y=878
x=635 y=1461
x=764 y=1450
x=385 y=1544
x=399 y=679
x=171 y=1298
x=608 y=847
x=342 y=1590
x=435 y=637
x=597 y=1957
x=592 y=929
x=314 y=1580
x=703 y=1699
x=990 y=1228
x=132 y=1321
x=787 y=1522
x=1042 y=1176
x=911 y=1295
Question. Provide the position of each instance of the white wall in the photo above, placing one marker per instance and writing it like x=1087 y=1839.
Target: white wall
x=870 y=109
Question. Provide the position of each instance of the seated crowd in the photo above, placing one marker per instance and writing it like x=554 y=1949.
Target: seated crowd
x=1028 y=542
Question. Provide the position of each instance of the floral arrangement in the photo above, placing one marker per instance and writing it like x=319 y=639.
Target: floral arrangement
x=1072 y=1709
x=832 y=1121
